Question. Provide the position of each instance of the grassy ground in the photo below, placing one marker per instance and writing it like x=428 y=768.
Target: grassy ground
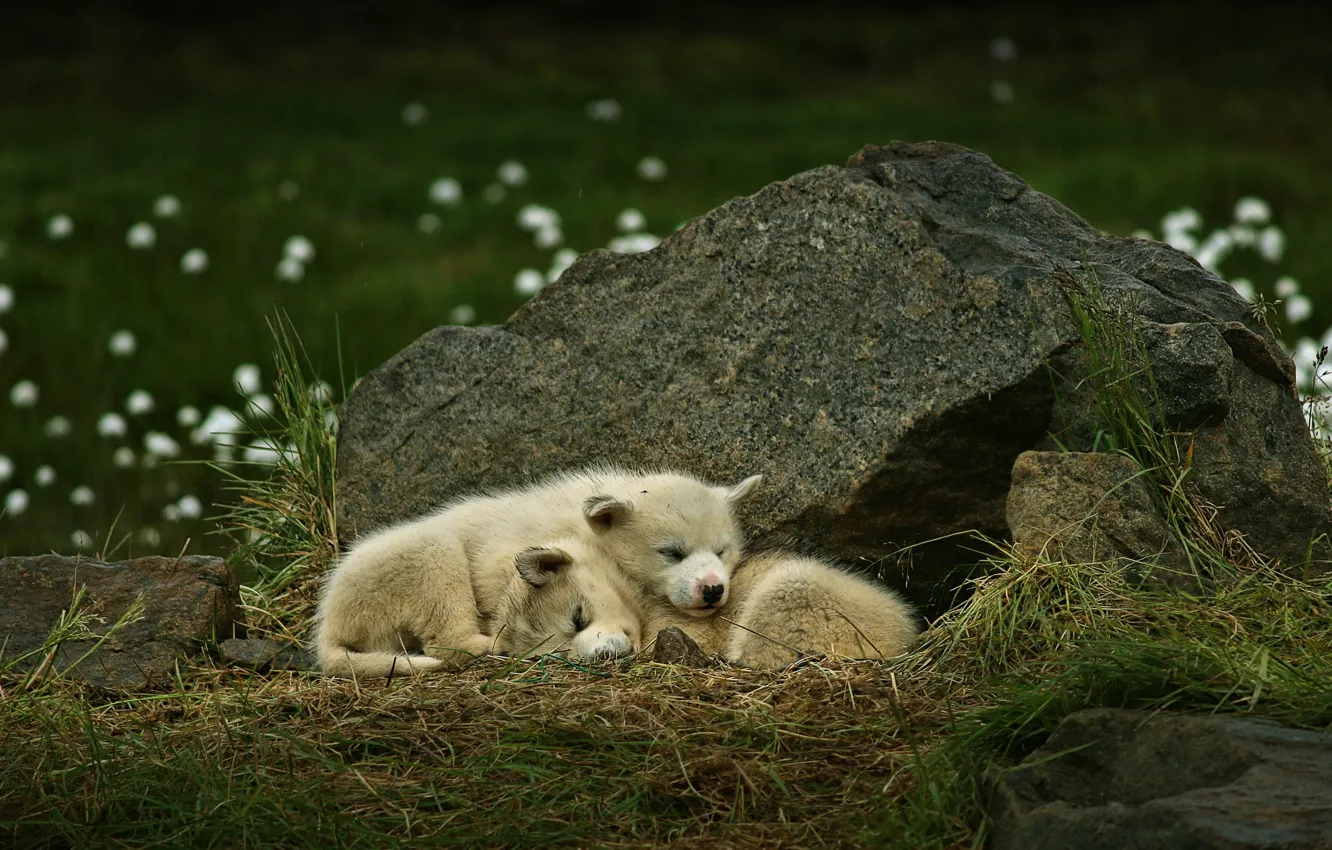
x=634 y=754
x=1121 y=117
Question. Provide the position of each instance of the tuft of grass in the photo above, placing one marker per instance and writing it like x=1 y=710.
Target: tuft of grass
x=285 y=524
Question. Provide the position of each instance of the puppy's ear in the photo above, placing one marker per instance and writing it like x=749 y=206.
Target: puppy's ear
x=539 y=564
x=737 y=492
x=606 y=512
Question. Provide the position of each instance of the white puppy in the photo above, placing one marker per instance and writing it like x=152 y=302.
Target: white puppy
x=436 y=584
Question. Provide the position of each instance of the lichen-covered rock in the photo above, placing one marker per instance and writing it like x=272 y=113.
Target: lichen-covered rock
x=1110 y=779
x=1090 y=508
x=187 y=602
x=874 y=339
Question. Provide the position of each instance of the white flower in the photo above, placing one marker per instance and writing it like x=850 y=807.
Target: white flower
x=260 y=405
x=138 y=403
x=605 y=109
x=171 y=513
x=16 y=502
x=59 y=226
x=167 y=206
x=1003 y=49
x=1244 y=236
x=6 y=299
x=1141 y=234
x=634 y=243
x=57 y=427
x=428 y=223
x=1271 y=243
x=446 y=191
x=190 y=507
x=122 y=343
x=23 y=394
x=1298 y=308
x=321 y=392
x=493 y=193
x=194 y=261
x=414 y=114
x=1286 y=286
x=287 y=190
x=652 y=168
x=299 y=248
x=45 y=476
x=220 y=425
x=262 y=450
x=1182 y=219
x=1243 y=287
x=528 y=282
x=330 y=420
x=289 y=269
x=162 y=445
x=82 y=495
x=463 y=314
x=630 y=220
x=1001 y=91
x=150 y=536
x=535 y=217
x=1180 y=241
x=1252 y=211
x=81 y=540
x=123 y=457
x=246 y=378
x=141 y=236
x=1210 y=254
x=512 y=173
x=548 y=237
x=1306 y=351
x=187 y=416
x=4 y=341
x=6 y=469
x=562 y=260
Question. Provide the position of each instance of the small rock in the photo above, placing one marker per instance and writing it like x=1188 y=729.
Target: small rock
x=187 y=602
x=1109 y=779
x=1091 y=508
x=264 y=655
x=675 y=647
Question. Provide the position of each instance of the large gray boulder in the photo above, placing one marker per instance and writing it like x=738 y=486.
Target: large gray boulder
x=1110 y=779
x=874 y=339
x=187 y=602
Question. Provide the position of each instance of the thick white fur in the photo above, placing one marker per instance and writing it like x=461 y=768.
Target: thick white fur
x=786 y=605
x=428 y=594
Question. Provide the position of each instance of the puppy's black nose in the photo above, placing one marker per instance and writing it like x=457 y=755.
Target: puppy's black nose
x=712 y=594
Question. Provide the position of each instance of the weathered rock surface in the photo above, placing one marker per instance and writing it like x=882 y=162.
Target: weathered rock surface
x=264 y=655
x=186 y=602
x=673 y=646
x=1128 y=780
x=874 y=339
x=1088 y=508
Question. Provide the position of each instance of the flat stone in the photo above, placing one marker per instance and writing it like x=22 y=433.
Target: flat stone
x=1111 y=779
x=188 y=602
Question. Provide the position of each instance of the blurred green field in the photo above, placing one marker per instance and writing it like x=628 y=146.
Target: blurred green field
x=1120 y=117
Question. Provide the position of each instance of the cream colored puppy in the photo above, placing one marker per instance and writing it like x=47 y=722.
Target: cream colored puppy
x=563 y=597
x=785 y=606
x=436 y=584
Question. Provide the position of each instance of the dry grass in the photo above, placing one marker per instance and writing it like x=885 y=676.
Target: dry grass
x=534 y=753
